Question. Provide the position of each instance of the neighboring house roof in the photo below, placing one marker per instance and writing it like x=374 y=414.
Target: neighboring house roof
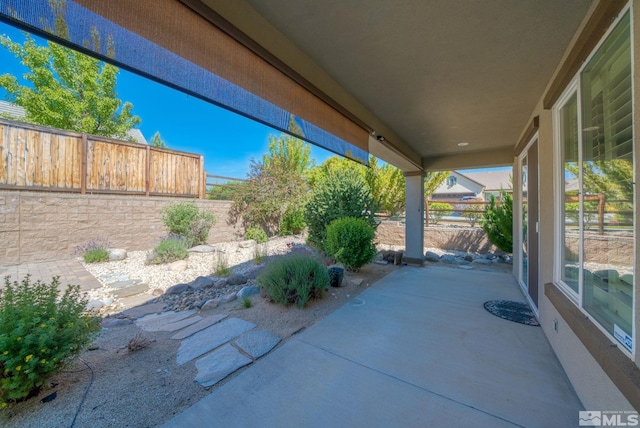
x=492 y=180
x=461 y=186
x=11 y=110
x=16 y=112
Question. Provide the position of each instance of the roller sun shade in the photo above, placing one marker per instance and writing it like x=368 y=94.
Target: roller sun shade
x=169 y=42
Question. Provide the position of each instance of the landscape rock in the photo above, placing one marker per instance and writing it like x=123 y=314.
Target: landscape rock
x=461 y=261
x=220 y=283
x=107 y=301
x=237 y=279
x=210 y=304
x=468 y=257
x=178 y=266
x=253 y=273
x=202 y=282
x=117 y=254
x=177 y=289
x=250 y=243
x=249 y=290
x=201 y=249
x=430 y=256
x=449 y=259
x=394 y=257
x=482 y=261
x=227 y=298
x=94 y=305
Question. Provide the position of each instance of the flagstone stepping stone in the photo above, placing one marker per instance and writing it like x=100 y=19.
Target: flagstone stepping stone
x=162 y=318
x=124 y=283
x=174 y=326
x=257 y=343
x=211 y=337
x=133 y=301
x=219 y=364
x=131 y=290
x=200 y=325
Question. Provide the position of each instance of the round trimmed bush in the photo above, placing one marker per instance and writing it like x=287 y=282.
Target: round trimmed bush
x=350 y=241
x=187 y=220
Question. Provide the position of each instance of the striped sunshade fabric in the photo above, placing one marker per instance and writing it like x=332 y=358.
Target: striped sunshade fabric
x=169 y=42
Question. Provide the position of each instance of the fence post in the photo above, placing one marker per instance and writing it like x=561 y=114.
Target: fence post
x=147 y=170
x=426 y=212
x=202 y=181
x=84 y=150
x=601 y=203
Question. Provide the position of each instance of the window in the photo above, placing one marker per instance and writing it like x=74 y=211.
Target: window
x=594 y=133
x=451 y=181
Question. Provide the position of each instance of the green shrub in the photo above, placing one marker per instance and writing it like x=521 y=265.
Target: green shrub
x=257 y=234
x=498 y=222
x=94 y=251
x=350 y=242
x=187 y=220
x=294 y=278
x=341 y=193
x=170 y=249
x=292 y=222
x=96 y=255
x=437 y=210
x=40 y=330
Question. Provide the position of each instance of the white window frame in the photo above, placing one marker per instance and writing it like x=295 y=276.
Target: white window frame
x=558 y=167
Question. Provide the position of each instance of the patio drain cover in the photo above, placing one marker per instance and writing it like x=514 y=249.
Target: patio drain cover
x=512 y=311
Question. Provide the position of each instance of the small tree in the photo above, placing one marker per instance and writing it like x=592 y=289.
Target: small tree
x=342 y=193
x=157 y=141
x=473 y=213
x=498 y=222
x=437 y=210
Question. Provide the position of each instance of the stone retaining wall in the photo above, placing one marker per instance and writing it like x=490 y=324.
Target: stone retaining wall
x=469 y=239
x=38 y=226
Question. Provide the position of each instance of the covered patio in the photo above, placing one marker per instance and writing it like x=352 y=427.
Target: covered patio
x=416 y=349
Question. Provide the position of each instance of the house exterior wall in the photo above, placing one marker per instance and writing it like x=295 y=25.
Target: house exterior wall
x=587 y=369
x=462 y=187
x=38 y=226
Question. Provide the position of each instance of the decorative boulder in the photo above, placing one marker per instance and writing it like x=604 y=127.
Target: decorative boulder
x=202 y=282
x=430 y=256
x=237 y=279
x=249 y=290
x=177 y=289
x=117 y=254
x=179 y=266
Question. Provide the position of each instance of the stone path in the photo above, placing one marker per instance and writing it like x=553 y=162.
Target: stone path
x=220 y=345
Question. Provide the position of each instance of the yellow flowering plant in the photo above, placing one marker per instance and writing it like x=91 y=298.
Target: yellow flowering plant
x=41 y=329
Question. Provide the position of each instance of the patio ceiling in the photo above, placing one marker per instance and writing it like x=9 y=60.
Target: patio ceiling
x=425 y=74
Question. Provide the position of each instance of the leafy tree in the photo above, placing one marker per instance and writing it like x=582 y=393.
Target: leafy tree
x=498 y=222
x=432 y=180
x=276 y=185
x=157 y=141
x=67 y=89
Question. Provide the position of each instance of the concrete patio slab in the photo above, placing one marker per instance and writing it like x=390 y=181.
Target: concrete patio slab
x=219 y=364
x=417 y=350
x=210 y=338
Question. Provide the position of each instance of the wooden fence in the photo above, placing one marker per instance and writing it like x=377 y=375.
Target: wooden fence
x=40 y=158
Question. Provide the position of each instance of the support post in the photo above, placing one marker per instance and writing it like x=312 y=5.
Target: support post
x=414 y=232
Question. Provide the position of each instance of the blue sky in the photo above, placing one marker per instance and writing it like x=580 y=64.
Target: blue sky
x=227 y=140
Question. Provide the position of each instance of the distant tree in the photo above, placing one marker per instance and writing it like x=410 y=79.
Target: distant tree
x=473 y=213
x=157 y=141
x=433 y=180
x=288 y=153
x=223 y=192
x=67 y=89
x=437 y=210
